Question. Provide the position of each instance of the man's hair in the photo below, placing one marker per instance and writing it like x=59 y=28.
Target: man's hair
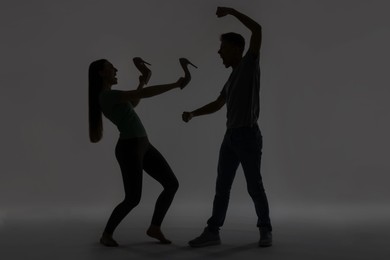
x=235 y=39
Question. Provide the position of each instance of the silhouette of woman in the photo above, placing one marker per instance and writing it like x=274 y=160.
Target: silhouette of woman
x=133 y=150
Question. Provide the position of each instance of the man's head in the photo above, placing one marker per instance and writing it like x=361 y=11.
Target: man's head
x=232 y=48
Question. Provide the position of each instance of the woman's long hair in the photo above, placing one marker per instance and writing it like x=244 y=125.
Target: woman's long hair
x=95 y=85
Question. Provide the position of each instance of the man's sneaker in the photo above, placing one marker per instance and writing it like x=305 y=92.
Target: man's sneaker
x=207 y=238
x=265 y=238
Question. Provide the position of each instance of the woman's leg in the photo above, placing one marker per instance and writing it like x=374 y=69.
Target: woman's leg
x=129 y=154
x=157 y=167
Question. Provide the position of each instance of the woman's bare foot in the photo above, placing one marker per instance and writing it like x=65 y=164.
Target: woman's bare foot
x=107 y=240
x=156 y=233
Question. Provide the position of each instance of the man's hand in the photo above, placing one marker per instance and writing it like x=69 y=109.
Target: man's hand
x=223 y=11
x=187 y=116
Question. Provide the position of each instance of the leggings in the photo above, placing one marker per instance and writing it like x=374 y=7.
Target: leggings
x=135 y=155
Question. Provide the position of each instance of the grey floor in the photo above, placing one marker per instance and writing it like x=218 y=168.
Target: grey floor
x=294 y=238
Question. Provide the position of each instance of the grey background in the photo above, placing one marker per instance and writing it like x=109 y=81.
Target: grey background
x=324 y=104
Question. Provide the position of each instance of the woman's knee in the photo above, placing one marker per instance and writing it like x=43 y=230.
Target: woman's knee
x=130 y=203
x=172 y=186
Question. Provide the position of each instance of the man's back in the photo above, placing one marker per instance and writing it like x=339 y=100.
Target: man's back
x=241 y=93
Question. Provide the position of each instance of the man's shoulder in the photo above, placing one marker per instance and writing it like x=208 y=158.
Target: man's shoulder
x=251 y=56
x=249 y=62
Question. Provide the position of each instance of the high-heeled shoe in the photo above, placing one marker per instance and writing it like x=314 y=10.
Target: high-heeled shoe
x=145 y=71
x=187 y=75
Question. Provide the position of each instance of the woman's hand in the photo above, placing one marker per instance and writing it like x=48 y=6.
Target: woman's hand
x=187 y=116
x=182 y=82
x=142 y=80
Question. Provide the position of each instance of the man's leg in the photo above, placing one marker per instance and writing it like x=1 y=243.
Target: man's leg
x=227 y=166
x=249 y=147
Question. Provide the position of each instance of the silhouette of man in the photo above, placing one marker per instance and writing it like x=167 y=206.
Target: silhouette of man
x=242 y=142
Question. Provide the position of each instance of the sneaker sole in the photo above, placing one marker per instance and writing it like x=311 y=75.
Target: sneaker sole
x=265 y=244
x=210 y=243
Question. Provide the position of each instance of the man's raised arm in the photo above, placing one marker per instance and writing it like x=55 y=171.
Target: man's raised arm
x=254 y=27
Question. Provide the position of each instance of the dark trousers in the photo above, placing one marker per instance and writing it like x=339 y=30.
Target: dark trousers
x=240 y=145
x=135 y=155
